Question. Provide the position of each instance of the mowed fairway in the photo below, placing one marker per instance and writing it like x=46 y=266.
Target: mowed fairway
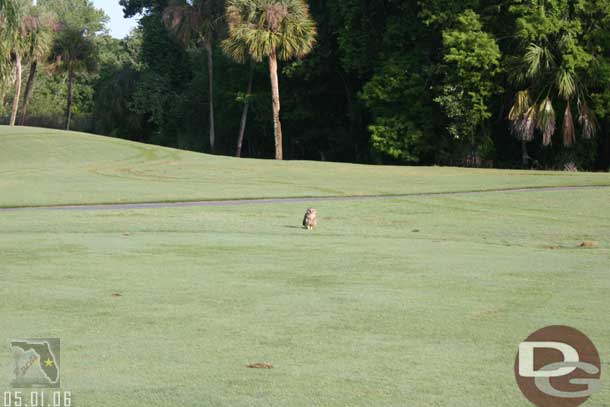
x=47 y=167
x=415 y=301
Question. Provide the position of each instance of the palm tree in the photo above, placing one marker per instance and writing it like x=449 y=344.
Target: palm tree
x=75 y=49
x=197 y=21
x=7 y=13
x=549 y=79
x=7 y=25
x=39 y=47
x=16 y=30
x=523 y=122
x=74 y=52
x=273 y=29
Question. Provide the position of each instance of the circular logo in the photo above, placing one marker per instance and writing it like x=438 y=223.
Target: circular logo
x=558 y=366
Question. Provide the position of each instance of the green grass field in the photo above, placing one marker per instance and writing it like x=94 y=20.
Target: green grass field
x=414 y=301
x=46 y=167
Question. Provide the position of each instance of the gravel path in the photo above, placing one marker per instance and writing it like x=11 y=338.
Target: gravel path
x=271 y=201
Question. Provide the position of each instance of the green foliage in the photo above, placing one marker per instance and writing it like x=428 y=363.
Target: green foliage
x=16 y=25
x=397 y=138
x=400 y=129
x=41 y=36
x=7 y=11
x=557 y=62
x=398 y=94
x=194 y=21
x=166 y=72
x=119 y=75
x=260 y=28
x=18 y=32
x=75 y=48
x=473 y=58
x=426 y=82
x=132 y=8
x=8 y=22
x=49 y=99
x=359 y=32
x=77 y=15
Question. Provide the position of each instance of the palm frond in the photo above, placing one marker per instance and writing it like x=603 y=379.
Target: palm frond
x=259 y=28
x=538 y=59
x=8 y=15
x=546 y=121
x=522 y=104
x=522 y=116
x=182 y=20
x=40 y=34
x=275 y=16
x=529 y=124
x=566 y=84
x=524 y=127
x=587 y=120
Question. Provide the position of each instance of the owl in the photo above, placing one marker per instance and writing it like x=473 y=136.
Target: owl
x=310 y=221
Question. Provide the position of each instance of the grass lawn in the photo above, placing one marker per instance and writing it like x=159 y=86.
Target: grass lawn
x=46 y=167
x=418 y=301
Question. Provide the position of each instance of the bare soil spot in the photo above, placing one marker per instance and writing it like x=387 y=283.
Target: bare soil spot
x=588 y=244
x=260 y=366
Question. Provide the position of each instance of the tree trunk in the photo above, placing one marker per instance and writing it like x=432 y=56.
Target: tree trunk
x=524 y=155
x=352 y=115
x=473 y=148
x=17 y=89
x=605 y=148
x=244 y=115
x=70 y=96
x=275 y=92
x=29 y=89
x=208 y=47
x=607 y=151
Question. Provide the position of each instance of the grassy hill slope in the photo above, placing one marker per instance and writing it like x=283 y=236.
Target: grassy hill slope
x=49 y=167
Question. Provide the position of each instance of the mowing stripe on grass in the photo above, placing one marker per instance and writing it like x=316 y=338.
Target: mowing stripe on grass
x=272 y=201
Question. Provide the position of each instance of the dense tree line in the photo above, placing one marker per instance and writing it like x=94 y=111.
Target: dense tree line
x=506 y=83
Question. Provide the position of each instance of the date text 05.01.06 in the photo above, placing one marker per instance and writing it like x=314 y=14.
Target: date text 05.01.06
x=37 y=399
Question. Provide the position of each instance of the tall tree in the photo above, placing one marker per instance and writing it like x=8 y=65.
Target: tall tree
x=16 y=31
x=552 y=71
x=133 y=7
x=75 y=50
x=198 y=22
x=472 y=58
x=75 y=53
x=406 y=124
x=273 y=29
x=38 y=48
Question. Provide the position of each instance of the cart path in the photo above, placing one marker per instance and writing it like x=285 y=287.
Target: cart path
x=272 y=201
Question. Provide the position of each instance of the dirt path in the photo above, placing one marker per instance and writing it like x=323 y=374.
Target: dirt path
x=271 y=201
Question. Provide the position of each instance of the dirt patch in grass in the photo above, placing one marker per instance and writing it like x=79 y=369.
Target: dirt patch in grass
x=589 y=244
x=260 y=366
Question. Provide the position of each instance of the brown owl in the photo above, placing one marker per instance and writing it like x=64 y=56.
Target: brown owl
x=311 y=219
